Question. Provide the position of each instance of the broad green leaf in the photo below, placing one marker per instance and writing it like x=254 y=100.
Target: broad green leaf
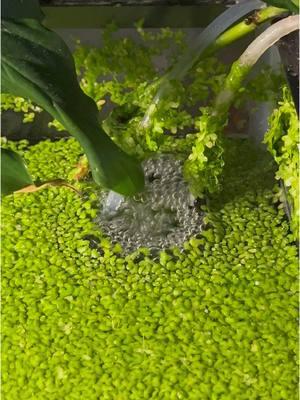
x=14 y=174
x=291 y=5
x=36 y=63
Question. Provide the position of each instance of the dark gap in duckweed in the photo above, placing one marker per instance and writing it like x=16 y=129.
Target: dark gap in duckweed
x=215 y=321
x=94 y=243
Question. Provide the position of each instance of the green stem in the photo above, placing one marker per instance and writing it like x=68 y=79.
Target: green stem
x=245 y=27
x=233 y=82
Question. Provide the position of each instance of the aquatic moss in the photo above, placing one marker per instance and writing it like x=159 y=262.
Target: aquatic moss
x=216 y=321
x=282 y=140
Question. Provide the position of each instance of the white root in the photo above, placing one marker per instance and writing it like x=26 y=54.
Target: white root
x=269 y=37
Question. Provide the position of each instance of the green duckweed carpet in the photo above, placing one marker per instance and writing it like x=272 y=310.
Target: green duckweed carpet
x=217 y=320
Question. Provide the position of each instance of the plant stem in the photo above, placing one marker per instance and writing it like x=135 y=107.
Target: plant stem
x=244 y=64
x=245 y=27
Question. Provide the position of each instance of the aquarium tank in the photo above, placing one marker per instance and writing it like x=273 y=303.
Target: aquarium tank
x=150 y=200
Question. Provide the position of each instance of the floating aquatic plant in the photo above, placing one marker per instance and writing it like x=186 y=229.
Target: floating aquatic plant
x=217 y=320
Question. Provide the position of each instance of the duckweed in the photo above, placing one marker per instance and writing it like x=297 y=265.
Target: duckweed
x=215 y=321
x=48 y=160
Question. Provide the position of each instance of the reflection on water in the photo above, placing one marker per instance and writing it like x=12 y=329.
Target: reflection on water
x=162 y=216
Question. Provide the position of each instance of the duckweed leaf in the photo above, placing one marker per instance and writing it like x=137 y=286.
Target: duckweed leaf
x=215 y=321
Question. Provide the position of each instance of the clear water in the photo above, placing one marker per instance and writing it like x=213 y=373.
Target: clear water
x=163 y=216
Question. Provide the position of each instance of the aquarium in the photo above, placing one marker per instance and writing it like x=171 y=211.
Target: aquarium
x=150 y=200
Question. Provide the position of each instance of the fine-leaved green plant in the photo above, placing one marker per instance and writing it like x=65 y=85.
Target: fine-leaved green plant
x=282 y=140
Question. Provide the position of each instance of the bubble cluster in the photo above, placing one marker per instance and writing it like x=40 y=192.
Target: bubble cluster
x=164 y=215
x=217 y=320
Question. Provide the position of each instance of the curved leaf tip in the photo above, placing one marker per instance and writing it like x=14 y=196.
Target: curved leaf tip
x=14 y=173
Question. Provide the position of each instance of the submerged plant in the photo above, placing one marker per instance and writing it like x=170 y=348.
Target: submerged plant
x=282 y=140
x=205 y=163
x=209 y=40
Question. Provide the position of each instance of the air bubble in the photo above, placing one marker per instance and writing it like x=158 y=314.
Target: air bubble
x=163 y=219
